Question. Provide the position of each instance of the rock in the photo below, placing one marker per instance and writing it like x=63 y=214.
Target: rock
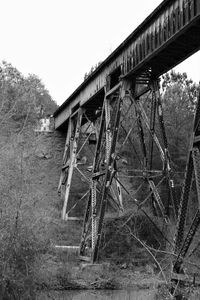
x=43 y=152
x=95 y=267
x=124 y=266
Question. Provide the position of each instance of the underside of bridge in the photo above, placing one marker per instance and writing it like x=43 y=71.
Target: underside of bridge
x=115 y=121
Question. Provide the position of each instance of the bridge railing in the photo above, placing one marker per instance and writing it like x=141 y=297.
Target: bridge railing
x=169 y=22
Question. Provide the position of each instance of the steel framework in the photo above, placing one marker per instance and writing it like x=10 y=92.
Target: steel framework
x=130 y=119
x=131 y=112
x=116 y=132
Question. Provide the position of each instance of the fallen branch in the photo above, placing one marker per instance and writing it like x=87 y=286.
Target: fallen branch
x=143 y=244
x=172 y=254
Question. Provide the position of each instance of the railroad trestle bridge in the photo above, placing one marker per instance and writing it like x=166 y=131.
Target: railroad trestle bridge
x=114 y=121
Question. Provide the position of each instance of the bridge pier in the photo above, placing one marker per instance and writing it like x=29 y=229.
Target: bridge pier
x=123 y=159
x=75 y=161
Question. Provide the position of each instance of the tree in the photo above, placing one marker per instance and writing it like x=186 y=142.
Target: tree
x=21 y=97
x=23 y=225
x=179 y=101
x=92 y=69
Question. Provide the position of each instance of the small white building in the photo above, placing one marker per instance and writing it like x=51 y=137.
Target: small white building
x=44 y=125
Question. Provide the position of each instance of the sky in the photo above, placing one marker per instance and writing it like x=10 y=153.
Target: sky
x=60 y=40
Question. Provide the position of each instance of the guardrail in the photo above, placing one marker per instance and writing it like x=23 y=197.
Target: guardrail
x=170 y=21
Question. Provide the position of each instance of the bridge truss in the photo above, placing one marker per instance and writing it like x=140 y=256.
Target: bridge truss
x=115 y=121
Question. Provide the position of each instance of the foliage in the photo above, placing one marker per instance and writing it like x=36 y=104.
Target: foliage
x=21 y=98
x=23 y=226
x=179 y=101
x=92 y=69
x=118 y=244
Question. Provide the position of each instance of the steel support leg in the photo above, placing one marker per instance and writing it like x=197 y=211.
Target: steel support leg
x=66 y=157
x=72 y=163
x=91 y=209
x=193 y=168
x=107 y=180
x=147 y=152
x=167 y=166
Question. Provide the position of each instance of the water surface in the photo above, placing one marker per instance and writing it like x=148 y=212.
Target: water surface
x=99 y=295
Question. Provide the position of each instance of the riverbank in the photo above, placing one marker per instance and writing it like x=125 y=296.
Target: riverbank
x=61 y=272
x=98 y=295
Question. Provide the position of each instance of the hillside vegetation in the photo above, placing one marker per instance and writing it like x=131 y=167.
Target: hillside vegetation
x=26 y=204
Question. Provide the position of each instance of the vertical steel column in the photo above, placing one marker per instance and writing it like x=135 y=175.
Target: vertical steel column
x=183 y=205
x=66 y=156
x=167 y=167
x=92 y=212
x=155 y=196
x=141 y=135
x=152 y=128
x=94 y=179
x=193 y=167
x=187 y=242
x=107 y=179
x=108 y=145
x=85 y=227
x=72 y=162
x=108 y=129
x=119 y=193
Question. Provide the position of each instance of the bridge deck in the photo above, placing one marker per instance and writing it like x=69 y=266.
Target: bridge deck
x=169 y=35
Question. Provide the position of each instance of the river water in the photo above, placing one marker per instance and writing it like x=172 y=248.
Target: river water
x=145 y=294
x=99 y=295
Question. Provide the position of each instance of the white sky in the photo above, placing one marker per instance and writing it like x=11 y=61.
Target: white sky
x=60 y=40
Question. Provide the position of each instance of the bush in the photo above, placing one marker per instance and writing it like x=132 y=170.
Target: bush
x=118 y=244
x=18 y=252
